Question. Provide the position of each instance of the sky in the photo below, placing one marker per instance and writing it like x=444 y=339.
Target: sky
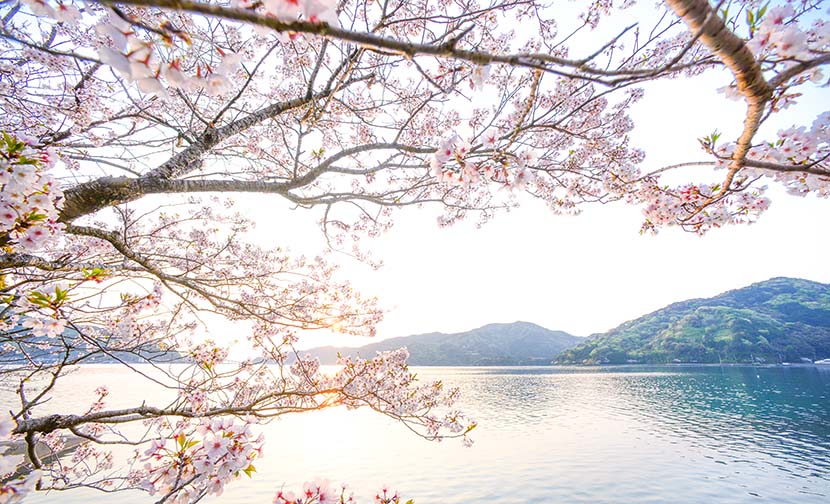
x=588 y=273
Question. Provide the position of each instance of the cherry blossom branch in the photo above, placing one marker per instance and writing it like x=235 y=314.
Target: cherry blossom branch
x=751 y=84
x=798 y=68
x=447 y=49
x=89 y=197
x=813 y=168
x=734 y=53
x=18 y=260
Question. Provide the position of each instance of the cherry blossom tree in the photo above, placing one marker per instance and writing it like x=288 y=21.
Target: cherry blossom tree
x=129 y=126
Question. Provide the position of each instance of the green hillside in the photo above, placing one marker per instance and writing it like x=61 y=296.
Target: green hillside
x=519 y=343
x=779 y=320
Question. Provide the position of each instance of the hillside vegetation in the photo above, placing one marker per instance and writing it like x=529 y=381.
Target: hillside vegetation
x=779 y=320
x=519 y=343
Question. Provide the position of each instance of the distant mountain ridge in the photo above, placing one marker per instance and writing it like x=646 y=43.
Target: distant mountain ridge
x=518 y=343
x=778 y=320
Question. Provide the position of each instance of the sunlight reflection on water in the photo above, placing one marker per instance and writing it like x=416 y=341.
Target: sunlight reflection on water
x=621 y=435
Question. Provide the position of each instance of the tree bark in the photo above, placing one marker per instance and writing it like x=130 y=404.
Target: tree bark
x=89 y=197
x=733 y=52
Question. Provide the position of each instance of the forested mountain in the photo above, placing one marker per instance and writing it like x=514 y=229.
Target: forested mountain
x=778 y=320
x=519 y=343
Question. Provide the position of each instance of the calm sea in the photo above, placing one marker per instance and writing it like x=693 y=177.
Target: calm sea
x=559 y=435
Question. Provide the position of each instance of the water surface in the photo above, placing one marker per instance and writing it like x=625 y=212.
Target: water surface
x=613 y=434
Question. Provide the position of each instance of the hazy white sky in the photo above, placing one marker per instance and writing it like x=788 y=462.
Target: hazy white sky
x=591 y=272
x=584 y=274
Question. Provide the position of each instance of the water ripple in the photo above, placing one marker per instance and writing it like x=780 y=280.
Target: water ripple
x=595 y=435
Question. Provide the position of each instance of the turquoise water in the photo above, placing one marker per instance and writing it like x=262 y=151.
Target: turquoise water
x=689 y=434
x=551 y=435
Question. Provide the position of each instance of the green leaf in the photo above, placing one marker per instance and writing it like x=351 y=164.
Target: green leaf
x=61 y=295
x=11 y=142
x=40 y=299
x=13 y=145
x=94 y=273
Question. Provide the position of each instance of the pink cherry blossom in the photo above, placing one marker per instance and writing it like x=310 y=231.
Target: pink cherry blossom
x=125 y=130
x=320 y=11
x=67 y=13
x=480 y=76
x=490 y=138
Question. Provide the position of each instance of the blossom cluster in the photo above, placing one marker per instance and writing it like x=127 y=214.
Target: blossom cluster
x=321 y=491
x=777 y=34
x=796 y=147
x=50 y=327
x=458 y=162
x=207 y=355
x=137 y=59
x=199 y=459
x=45 y=311
x=699 y=208
x=385 y=384
x=64 y=12
x=788 y=157
x=29 y=196
x=341 y=107
x=165 y=56
x=779 y=41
